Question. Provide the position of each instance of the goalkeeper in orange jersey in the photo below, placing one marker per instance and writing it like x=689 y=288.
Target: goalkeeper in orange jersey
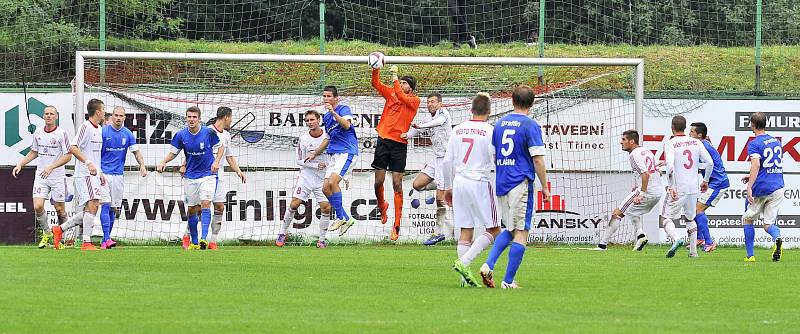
x=390 y=152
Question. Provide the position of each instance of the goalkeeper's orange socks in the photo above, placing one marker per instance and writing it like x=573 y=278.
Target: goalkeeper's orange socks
x=398 y=209
x=382 y=205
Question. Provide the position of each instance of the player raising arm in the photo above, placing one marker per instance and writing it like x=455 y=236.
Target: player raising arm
x=51 y=146
x=764 y=186
x=390 y=151
x=437 y=125
x=198 y=144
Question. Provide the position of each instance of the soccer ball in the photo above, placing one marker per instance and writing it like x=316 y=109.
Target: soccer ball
x=375 y=60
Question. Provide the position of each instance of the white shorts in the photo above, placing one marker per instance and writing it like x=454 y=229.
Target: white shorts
x=710 y=197
x=516 y=207
x=340 y=164
x=55 y=188
x=113 y=190
x=198 y=190
x=220 y=190
x=304 y=188
x=765 y=207
x=87 y=188
x=474 y=204
x=685 y=204
x=629 y=208
x=433 y=169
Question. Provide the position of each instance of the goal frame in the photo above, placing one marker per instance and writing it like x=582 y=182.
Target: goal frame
x=637 y=63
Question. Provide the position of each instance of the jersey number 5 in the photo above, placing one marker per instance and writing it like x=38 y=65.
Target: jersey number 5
x=507 y=142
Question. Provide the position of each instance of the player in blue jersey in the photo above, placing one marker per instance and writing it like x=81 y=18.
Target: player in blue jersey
x=764 y=186
x=718 y=183
x=203 y=152
x=519 y=154
x=117 y=141
x=342 y=148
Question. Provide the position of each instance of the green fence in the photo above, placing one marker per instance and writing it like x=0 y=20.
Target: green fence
x=709 y=47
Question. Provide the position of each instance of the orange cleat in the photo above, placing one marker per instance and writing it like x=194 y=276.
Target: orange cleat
x=383 y=207
x=213 y=246
x=88 y=246
x=58 y=233
x=395 y=233
x=186 y=242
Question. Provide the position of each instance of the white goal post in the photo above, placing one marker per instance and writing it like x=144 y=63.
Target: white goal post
x=638 y=63
x=583 y=107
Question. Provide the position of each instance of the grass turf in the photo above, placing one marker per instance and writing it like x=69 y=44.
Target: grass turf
x=390 y=289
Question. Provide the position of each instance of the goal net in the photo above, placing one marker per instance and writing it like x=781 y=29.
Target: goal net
x=583 y=107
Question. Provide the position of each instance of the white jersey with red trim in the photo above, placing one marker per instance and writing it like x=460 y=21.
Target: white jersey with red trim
x=88 y=139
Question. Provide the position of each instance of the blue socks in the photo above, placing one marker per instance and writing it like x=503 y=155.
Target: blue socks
x=205 y=219
x=749 y=238
x=105 y=222
x=500 y=243
x=514 y=259
x=336 y=203
x=774 y=231
x=702 y=228
x=193 y=228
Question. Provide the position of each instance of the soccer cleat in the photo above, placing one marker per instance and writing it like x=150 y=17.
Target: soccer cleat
x=112 y=243
x=88 y=246
x=640 y=243
x=45 y=240
x=104 y=245
x=693 y=255
x=203 y=244
x=700 y=243
x=336 y=225
x=346 y=226
x=750 y=259
x=77 y=244
x=281 y=240
x=777 y=249
x=487 y=275
x=186 y=242
x=710 y=248
x=382 y=207
x=473 y=44
x=465 y=273
x=57 y=235
x=213 y=246
x=193 y=247
x=434 y=239
x=395 y=233
x=322 y=244
x=512 y=285
x=677 y=244
x=600 y=248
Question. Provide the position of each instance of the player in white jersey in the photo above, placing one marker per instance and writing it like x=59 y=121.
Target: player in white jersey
x=86 y=146
x=221 y=123
x=51 y=145
x=645 y=194
x=467 y=168
x=683 y=155
x=438 y=126
x=310 y=180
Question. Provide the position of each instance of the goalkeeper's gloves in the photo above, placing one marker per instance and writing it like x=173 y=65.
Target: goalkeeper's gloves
x=393 y=70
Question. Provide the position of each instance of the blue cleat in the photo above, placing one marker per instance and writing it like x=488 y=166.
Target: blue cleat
x=434 y=239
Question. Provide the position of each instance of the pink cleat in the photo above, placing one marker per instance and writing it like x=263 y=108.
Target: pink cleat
x=104 y=245
x=281 y=240
x=111 y=243
x=710 y=248
x=186 y=242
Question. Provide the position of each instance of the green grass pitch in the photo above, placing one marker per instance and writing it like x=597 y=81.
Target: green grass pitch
x=384 y=288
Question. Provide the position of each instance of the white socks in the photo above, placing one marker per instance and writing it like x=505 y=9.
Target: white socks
x=216 y=226
x=612 y=227
x=287 y=220
x=88 y=223
x=42 y=221
x=324 y=221
x=483 y=241
x=669 y=227
x=691 y=229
